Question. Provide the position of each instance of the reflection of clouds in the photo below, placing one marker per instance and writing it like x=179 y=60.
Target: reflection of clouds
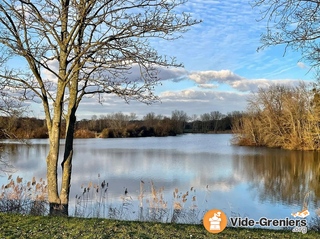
x=165 y=167
x=163 y=161
x=221 y=184
x=28 y=159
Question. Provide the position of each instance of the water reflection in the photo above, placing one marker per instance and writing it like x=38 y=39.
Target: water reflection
x=282 y=176
x=256 y=181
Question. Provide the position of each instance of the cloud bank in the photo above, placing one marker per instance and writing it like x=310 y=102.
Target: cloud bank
x=195 y=92
x=212 y=79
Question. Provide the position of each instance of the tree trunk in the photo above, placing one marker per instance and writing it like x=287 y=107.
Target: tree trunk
x=54 y=127
x=67 y=162
x=52 y=174
x=59 y=205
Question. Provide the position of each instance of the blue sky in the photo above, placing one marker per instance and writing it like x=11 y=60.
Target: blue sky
x=221 y=64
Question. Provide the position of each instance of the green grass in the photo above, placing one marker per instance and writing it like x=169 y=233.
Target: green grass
x=19 y=226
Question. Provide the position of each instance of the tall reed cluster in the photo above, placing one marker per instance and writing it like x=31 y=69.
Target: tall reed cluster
x=94 y=202
x=26 y=198
x=31 y=198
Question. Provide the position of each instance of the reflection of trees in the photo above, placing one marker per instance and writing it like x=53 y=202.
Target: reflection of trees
x=283 y=176
x=6 y=162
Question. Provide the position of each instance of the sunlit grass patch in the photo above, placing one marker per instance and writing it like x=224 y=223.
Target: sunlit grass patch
x=15 y=226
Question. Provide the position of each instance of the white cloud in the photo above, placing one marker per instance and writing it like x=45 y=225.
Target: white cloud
x=50 y=75
x=207 y=96
x=301 y=65
x=164 y=73
x=203 y=77
x=172 y=73
x=204 y=98
x=207 y=86
x=254 y=84
x=184 y=95
x=133 y=73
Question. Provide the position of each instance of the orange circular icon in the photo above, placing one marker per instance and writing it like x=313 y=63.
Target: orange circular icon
x=215 y=221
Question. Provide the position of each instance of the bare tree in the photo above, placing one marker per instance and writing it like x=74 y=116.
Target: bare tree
x=150 y=119
x=294 y=24
x=88 y=47
x=205 y=122
x=133 y=116
x=216 y=118
x=179 y=119
x=118 y=123
x=195 y=122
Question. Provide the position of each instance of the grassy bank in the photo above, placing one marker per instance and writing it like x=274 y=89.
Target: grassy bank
x=19 y=226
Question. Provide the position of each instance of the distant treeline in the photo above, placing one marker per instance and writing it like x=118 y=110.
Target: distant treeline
x=120 y=125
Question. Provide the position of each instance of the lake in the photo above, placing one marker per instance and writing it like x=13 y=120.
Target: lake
x=191 y=171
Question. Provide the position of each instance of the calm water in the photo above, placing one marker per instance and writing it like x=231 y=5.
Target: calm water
x=252 y=182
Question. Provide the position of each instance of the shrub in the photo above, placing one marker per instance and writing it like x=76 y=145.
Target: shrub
x=281 y=117
x=84 y=134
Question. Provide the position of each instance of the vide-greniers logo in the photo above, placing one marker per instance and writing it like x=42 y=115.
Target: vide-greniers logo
x=215 y=221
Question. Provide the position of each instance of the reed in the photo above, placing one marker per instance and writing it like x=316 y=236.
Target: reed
x=25 y=198
x=152 y=205
x=18 y=196
x=93 y=200
x=157 y=207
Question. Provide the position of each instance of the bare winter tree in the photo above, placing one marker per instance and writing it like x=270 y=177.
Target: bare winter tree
x=290 y=122
x=293 y=23
x=216 y=117
x=88 y=47
x=179 y=119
